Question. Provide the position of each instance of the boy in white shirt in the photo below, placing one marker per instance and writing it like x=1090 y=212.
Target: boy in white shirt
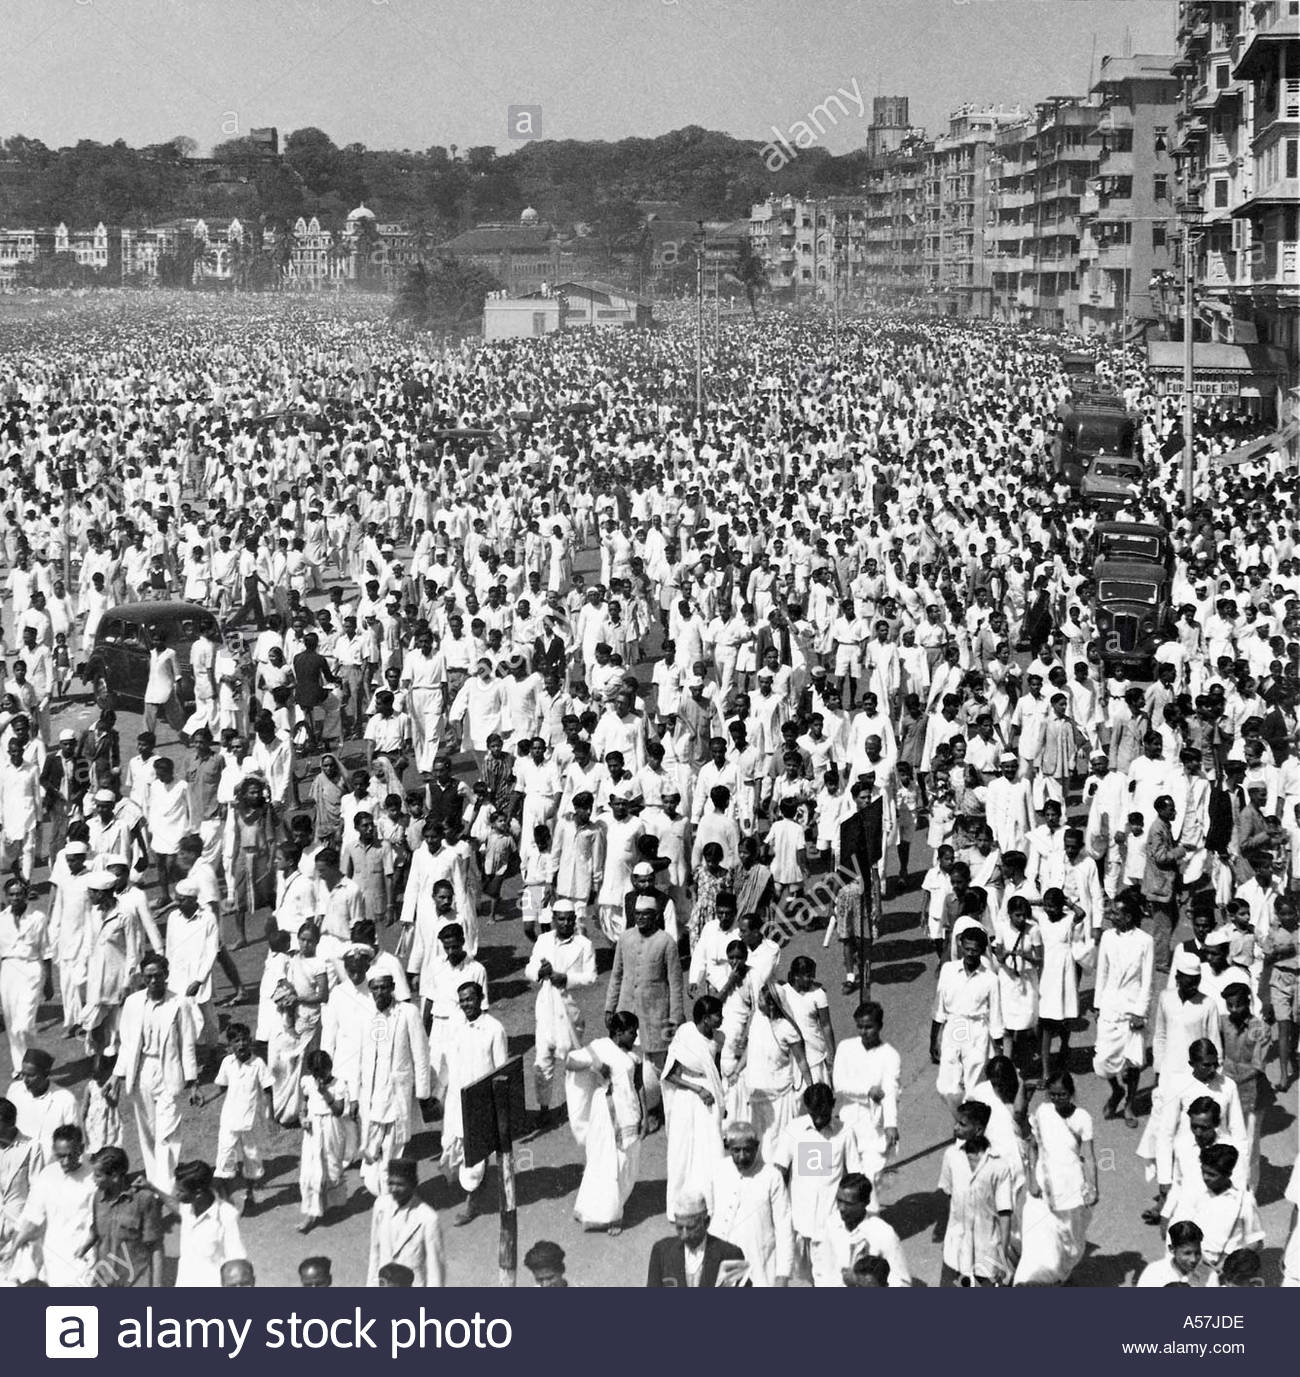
x=245 y=1112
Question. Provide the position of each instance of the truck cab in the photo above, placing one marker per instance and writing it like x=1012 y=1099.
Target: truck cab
x=1093 y=424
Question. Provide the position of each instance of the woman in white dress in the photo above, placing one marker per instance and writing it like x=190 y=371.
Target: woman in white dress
x=607 y=1116
x=1062 y=1188
x=1066 y=940
x=693 y=1102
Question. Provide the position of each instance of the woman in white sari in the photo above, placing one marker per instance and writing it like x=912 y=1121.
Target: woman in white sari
x=607 y=1116
x=693 y=1102
x=1062 y=1188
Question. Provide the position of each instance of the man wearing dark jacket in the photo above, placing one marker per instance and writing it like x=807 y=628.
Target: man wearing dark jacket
x=695 y=1257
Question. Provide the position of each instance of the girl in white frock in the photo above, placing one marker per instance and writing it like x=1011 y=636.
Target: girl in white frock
x=1066 y=940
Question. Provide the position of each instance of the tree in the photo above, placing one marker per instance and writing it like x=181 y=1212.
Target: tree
x=177 y=269
x=315 y=157
x=751 y=274
x=447 y=295
x=366 y=242
x=618 y=225
x=411 y=304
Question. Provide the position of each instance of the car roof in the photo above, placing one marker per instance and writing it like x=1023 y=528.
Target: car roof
x=1138 y=528
x=1139 y=569
x=157 y=611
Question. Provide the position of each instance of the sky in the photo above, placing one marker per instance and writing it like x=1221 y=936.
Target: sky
x=415 y=73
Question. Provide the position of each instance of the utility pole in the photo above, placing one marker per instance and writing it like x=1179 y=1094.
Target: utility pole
x=699 y=322
x=1189 y=369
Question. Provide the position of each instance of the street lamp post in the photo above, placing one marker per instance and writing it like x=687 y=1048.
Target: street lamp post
x=1189 y=368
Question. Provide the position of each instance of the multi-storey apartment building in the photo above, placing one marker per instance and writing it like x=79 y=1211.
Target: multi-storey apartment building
x=958 y=249
x=892 y=263
x=814 y=247
x=1129 y=222
x=1040 y=172
x=1239 y=148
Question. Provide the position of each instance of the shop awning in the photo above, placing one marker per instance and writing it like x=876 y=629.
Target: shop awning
x=1166 y=356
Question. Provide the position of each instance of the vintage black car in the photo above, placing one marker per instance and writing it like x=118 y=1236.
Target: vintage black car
x=1134 y=541
x=1133 y=611
x=118 y=665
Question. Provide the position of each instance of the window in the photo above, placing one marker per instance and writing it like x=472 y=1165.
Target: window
x=1157 y=236
x=1160 y=188
x=1220 y=192
x=1292 y=157
x=1221 y=77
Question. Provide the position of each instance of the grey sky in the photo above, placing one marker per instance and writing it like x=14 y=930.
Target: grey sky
x=412 y=73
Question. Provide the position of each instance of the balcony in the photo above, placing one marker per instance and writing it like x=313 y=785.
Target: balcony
x=1116 y=164
x=1058 y=264
x=1283 y=193
x=1221 y=95
x=1115 y=210
x=1286 y=111
x=1115 y=257
x=1277 y=30
x=1278 y=265
x=1107 y=298
x=1219 y=269
x=1191 y=131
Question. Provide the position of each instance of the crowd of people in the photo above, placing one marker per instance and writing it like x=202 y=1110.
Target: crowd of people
x=504 y=639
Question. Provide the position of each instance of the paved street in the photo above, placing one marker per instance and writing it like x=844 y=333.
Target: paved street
x=550 y=1166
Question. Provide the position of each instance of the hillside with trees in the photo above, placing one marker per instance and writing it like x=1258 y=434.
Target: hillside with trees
x=439 y=190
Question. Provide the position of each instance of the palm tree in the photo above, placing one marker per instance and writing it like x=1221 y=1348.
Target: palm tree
x=751 y=273
x=411 y=303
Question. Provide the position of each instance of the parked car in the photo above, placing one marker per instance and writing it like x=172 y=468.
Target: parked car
x=1134 y=541
x=118 y=664
x=1111 y=480
x=1133 y=611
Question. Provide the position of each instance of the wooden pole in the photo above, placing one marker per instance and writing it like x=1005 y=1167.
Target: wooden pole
x=508 y=1246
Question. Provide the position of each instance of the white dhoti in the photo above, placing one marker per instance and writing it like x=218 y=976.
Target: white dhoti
x=380 y=1143
x=21 y=984
x=1119 y=1047
x=428 y=724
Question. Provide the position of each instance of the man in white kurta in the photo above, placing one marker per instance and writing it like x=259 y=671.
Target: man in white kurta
x=1008 y=808
x=24 y=966
x=750 y=1207
x=1125 y=962
x=392 y=1070
x=476 y=1047
x=866 y=1077
x=852 y=1231
x=60 y=1211
x=562 y=961
x=155 y=1065
x=192 y=944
